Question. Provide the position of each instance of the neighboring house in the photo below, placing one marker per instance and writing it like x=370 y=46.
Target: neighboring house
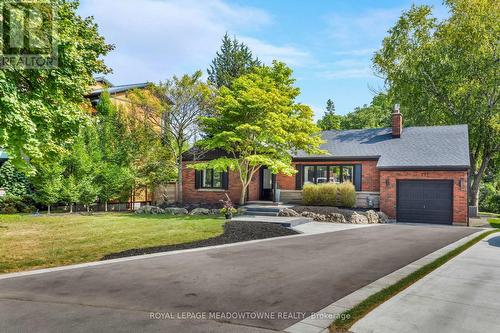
x=416 y=174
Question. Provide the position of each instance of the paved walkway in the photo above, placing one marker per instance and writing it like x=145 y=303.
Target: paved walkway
x=279 y=280
x=461 y=296
x=322 y=227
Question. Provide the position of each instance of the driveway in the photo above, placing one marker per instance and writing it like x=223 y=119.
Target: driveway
x=282 y=280
x=461 y=296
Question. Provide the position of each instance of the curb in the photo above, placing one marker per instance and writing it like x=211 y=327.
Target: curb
x=320 y=321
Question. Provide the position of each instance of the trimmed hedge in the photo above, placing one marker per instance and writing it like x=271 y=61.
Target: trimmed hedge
x=329 y=194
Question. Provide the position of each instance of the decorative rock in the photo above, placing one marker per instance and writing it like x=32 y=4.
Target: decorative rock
x=147 y=209
x=288 y=212
x=200 y=211
x=215 y=211
x=382 y=217
x=372 y=217
x=176 y=211
x=358 y=219
x=335 y=218
x=314 y=216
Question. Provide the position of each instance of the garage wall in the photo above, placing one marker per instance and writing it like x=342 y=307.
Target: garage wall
x=388 y=193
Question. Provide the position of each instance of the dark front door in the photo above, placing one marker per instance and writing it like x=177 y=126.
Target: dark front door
x=266 y=184
x=425 y=201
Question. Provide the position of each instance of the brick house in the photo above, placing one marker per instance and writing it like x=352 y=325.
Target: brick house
x=415 y=174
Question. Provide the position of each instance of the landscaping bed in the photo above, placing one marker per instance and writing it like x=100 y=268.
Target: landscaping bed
x=337 y=215
x=233 y=232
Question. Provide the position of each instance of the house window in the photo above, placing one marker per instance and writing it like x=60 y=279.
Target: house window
x=211 y=179
x=317 y=174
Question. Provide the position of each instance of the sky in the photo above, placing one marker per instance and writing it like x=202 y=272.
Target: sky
x=328 y=43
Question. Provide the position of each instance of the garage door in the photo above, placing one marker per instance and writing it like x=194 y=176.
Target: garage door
x=425 y=201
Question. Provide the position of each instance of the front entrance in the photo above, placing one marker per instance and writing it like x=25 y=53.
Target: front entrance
x=425 y=201
x=267 y=180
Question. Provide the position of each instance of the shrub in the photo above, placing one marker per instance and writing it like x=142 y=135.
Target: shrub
x=347 y=194
x=10 y=204
x=320 y=194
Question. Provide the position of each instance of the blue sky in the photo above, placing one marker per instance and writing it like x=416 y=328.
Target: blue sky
x=329 y=44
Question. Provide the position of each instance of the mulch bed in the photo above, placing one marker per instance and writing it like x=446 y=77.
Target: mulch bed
x=233 y=232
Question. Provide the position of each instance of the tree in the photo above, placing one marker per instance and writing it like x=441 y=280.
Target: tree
x=330 y=120
x=41 y=108
x=174 y=107
x=69 y=191
x=14 y=182
x=233 y=60
x=258 y=123
x=48 y=183
x=446 y=72
x=375 y=115
x=114 y=175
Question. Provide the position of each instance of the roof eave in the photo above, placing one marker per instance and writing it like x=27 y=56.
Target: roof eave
x=328 y=158
x=425 y=168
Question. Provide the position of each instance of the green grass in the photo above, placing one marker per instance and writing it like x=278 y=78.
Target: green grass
x=495 y=223
x=29 y=242
x=349 y=317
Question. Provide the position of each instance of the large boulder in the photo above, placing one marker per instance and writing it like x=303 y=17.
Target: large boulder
x=288 y=212
x=176 y=211
x=200 y=211
x=372 y=217
x=382 y=217
x=358 y=219
x=335 y=218
x=314 y=216
x=147 y=209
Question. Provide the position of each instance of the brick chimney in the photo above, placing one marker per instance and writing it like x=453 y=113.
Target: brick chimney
x=397 y=122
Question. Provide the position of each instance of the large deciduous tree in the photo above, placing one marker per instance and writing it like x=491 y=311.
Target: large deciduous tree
x=258 y=122
x=375 y=115
x=174 y=107
x=41 y=108
x=233 y=60
x=447 y=72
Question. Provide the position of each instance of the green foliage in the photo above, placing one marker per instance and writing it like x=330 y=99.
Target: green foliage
x=14 y=182
x=330 y=120
x=347 y=194
x=489 y=197
x=445 y=72
x=375 y=115
x=11 y=204
x=258 y=123
x=48 y=183
x=325 y=194
x=40 y=109
x=232 y=61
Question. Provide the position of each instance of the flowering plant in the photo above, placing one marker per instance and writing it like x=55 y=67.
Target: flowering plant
x=227 y=206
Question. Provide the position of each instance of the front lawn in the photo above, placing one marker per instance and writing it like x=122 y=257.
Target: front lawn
x=29 y=242
x=495 y=223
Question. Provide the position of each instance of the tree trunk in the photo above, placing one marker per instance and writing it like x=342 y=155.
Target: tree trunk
x=178 y=193
x=243 y=194
x=48 y=209
x=476 y=181
x=88 y=208
x=71 y=208
x=106 y=205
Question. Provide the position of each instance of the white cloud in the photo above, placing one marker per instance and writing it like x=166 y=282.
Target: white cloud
x=286 y=53
x=156 y=39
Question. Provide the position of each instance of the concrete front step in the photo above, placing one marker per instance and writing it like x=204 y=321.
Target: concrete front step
x=261 y=213
x=285 y=221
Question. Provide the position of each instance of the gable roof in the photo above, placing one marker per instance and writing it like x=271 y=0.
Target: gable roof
x=430 y=147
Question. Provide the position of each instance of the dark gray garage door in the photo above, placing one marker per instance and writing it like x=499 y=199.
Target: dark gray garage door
x=425 y=201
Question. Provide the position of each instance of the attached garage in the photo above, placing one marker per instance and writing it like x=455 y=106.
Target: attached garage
x=425 y=201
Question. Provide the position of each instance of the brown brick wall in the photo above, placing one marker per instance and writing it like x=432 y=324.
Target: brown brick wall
x=388 y=193
x=369 y=182
x=193 y=195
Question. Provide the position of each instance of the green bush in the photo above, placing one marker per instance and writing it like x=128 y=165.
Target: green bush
x=329 y=194
x=347 y=194
x=11 y=204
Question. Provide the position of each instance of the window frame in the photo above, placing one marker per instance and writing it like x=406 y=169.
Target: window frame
x=212 y=173
x=329 y=167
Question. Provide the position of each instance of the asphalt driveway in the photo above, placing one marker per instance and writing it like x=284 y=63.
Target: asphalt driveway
x=279 y=280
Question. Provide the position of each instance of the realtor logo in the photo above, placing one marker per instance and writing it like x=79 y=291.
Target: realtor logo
x=27 y=34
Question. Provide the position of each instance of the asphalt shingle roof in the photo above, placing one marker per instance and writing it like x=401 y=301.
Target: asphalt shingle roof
x=418 y=147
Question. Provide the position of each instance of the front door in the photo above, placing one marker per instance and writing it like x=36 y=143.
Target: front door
x=266 y=184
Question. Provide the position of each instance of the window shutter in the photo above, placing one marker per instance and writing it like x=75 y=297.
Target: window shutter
x=197 y=179
x=225 y=179
x=299 y=177
x=358 y=170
